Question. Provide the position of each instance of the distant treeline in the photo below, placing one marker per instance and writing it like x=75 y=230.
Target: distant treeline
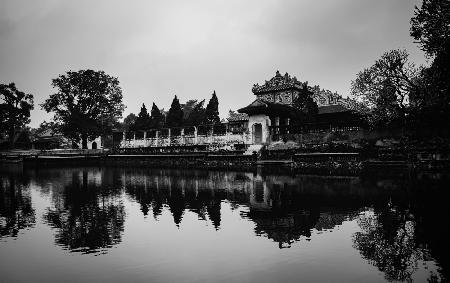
x=192 y=113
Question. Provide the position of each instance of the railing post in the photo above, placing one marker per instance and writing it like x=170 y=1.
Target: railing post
x=169 y=137
x=183 y=142
x=145 y=139
x=195 y=135
x=211 y=136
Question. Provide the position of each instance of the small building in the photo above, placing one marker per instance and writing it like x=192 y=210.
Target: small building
x=237 y=122
x=48 y=139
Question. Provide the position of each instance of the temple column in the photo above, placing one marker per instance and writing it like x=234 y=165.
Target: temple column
x=124 y=136
x=134 y=139
x=277 y=124
x=156 y=138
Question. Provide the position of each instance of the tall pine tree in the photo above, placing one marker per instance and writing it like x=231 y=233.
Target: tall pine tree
x=157 y=119
x=143 y=119
x=212 y=110
x=175 y=115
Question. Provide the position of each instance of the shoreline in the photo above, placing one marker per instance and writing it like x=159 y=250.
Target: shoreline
x=331 y=164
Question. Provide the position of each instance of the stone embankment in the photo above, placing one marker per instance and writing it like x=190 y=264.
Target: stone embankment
x=321 y=161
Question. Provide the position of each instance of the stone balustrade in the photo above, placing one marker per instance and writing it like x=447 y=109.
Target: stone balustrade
x=177 y=137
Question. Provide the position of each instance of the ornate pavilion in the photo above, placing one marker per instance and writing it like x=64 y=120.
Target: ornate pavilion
x=271 y=114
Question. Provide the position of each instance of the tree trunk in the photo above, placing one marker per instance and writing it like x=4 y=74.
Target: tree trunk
x=84 y=141
x=12 y=134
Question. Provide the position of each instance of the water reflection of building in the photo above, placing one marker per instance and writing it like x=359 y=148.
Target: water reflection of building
x=283 y=208
x=286 y=209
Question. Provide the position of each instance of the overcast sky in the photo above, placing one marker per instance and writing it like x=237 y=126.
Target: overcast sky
x=189 y=48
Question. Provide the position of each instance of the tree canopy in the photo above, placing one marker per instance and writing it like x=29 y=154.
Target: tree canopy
x=197 y=115
x=175 y=115
x=430 y=26
x=188 y=107
x=212 y=110
x=305 y=104
x=385 y=87
x=15 y=107
x=156 y=117
x=87 y=104
x=143 y=120
x=128 y=122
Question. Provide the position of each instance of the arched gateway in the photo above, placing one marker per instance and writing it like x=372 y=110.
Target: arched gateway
x=257 y=133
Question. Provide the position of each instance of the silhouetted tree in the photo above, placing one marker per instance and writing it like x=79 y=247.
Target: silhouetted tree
x=157 y=118
x=385 y=87
x=129 y=122
x=87 y=104
x=188 y=107
x=15 y=107
x=143 y=120
x=197 y=115
x=212 y=110
x=175 y=115
x=305 y=104
x=430 y=26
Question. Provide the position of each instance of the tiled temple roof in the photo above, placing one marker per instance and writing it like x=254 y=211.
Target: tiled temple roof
x=263 y=107
x=260 y=106
x=278 y=82
x=332 y=109
x=234 y=117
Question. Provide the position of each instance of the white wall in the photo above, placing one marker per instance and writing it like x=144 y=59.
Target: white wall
x=262 y=119
x=98 y=140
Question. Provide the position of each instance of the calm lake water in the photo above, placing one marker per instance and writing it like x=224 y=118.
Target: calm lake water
x=134 y=224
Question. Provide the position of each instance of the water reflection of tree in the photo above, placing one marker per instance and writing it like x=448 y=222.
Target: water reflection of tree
x=16 y=211
x=180 y=191
x=88 y=216
x=387 y=241
x=404 y=229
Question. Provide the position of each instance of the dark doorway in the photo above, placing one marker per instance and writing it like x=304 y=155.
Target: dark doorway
x=257 y=133
x=94 y=145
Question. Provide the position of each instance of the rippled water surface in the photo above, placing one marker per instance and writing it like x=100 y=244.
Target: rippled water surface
x=133 y=224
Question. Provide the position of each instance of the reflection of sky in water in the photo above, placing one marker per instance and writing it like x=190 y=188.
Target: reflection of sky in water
x=200 y=227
